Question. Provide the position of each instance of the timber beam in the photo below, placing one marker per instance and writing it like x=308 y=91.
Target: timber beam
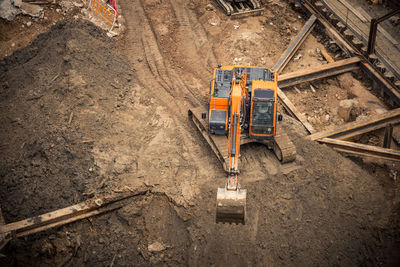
x=352 y=129
x=63 y=216
x=295 y=44
x=319 y=72
x=292 y=110
x=361 y=149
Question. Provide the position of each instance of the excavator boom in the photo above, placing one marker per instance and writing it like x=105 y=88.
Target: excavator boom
x=231 y=200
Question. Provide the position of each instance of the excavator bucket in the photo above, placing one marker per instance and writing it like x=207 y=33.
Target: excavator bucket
x=231 y=205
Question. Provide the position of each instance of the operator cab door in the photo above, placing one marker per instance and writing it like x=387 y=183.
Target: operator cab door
x=262 y=119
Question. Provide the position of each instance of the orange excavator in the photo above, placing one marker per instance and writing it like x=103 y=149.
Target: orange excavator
x=242 y=108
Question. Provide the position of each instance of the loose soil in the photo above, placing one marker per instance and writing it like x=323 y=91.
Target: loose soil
x=85 y=116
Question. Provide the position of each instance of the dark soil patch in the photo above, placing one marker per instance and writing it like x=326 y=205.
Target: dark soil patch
x=45 y=140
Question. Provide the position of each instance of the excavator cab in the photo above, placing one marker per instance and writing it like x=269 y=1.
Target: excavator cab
x=263 y=110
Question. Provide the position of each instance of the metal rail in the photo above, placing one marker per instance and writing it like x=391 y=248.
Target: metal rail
x=319 y=72
x=352 y=129
x=295 y=44
x=361 y=149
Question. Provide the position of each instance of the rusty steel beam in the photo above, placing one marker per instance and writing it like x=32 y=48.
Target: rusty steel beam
x=319 y=72
x=295 y=44
x=352 y=129
x=361 y=149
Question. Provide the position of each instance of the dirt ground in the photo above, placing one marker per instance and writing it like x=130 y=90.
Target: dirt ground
x=84 y=115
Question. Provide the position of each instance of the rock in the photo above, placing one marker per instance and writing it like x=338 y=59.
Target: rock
x=297 y=57
x=345 y=80
x=395 y=20
x=287 y=196
x=8 y=11
x=28 y=24
x=312 y=88
x=311 y=52
x=58 y=10
x=35 y=11
x=312 y=120
x=345 y=108
x=209 y=7
x=213 y=23
x=35 y=163
x=156 y=247
x=78 y=4
x=112 y=34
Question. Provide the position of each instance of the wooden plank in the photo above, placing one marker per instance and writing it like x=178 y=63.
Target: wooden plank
x=289 y=106
x=355 y=128
x=362 y=149
x=66 y=215
x=295 y=44
x=318 y=72
x=325 y=54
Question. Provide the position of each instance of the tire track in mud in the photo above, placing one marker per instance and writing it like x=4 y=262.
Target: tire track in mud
x=196 y=32
x=176 y=86
x=171 y=93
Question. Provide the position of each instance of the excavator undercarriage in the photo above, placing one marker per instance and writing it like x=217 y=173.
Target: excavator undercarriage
x=282 y=146
x=240 y=8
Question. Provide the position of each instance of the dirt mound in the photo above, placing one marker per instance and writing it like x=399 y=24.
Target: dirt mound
x=56 y=96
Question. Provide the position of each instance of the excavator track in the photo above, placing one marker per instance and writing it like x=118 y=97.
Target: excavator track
x=237 y=10
x=283 y=147
x=217 y=143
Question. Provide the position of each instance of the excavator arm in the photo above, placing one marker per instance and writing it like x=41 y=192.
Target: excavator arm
x=231 y=200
